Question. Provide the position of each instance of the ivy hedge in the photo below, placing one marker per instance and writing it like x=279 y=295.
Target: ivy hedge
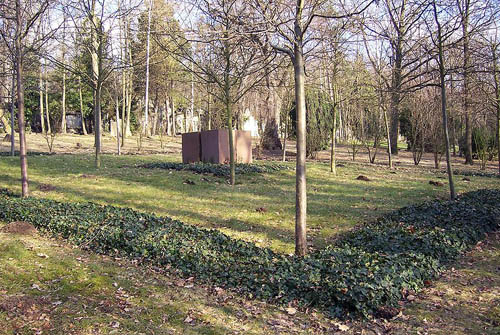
x=220 y=170
x=368 y=269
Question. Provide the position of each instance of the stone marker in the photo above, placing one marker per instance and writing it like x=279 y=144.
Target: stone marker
x=191 y=147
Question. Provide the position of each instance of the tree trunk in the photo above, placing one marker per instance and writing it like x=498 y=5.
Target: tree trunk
x=300 y=101
x=47 y=113
x=97 y=125
x=84 y=128
x=146 y=99
x=20 y=101
x=466 y=64
x=285 y=135
x=12 y=116
x=42 y=116
x=63 y=117
x=96 y=53
x=63 y=121
x=174 y=120
x=388 y=135
x=395 y=98
x=231 y=141
x=118 y=127
x=335 y=100
x=442 y=74
x=496 y=71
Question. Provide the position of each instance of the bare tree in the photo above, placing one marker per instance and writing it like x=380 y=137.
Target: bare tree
x=289 y=25
x=228 y=55
x=24 y=38
x=440 y=41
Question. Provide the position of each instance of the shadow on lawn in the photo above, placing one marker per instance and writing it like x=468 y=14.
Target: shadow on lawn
x=334 y=204
x=77 y=292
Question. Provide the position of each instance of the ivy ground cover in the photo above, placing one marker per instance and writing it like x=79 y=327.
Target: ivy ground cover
x=366 y=270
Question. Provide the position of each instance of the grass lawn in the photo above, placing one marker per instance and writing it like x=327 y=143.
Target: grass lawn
x=335 y=203
x=50 y=287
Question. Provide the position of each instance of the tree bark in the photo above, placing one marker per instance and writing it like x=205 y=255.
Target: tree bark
x=300 y=100
x=334 y=98
x=442 y=74
x=84 y=128
x=20 y=101
x=146 y=98
x=42 y=116
x=12 y=116
x=118 y=127
x=63 y=118
x=63 y=121
x=49 y=130
x=496 y=71
x=468 y=121
x=96 y=53
x=395 y=99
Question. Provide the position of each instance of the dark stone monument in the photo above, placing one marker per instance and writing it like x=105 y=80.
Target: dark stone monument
x=215 y=146
x=191 y=147
x=212 y=146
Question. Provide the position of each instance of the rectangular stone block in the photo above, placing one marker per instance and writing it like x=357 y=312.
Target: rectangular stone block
x=191 y=147
x=243 y=145
x=215 y=146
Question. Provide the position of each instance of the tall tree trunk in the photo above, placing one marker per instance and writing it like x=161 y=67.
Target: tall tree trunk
x=285 y=135
x=12 y=115
x=230 y=133
x=192 y=96
x=84 y=128
x=465 y=10
x=442 y=74
x=47 y=112
x=20 y=101
x=146 y=98
x=174 y=119
x=496 y=71
x=118 y=147
x=63 y=117
x=396 y=96
x=228 y=101
x=388 y=135
x=97 y=125
x=334 y=98
x=96 y=79
x=300 y=100
x=42 y=116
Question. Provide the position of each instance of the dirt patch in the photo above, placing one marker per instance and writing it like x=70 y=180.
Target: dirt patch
x=46 y=187
x=19 y=227
x=363 y=178
x=436 y=183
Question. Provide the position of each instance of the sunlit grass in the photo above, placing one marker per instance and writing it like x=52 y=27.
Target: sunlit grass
x=335 y=203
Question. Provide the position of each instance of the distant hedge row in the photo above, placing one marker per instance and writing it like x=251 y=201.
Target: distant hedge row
x=221 y=170
x=367 y=269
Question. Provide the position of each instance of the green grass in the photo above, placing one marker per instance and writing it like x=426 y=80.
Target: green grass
x=335 y=203
x=74 y=292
